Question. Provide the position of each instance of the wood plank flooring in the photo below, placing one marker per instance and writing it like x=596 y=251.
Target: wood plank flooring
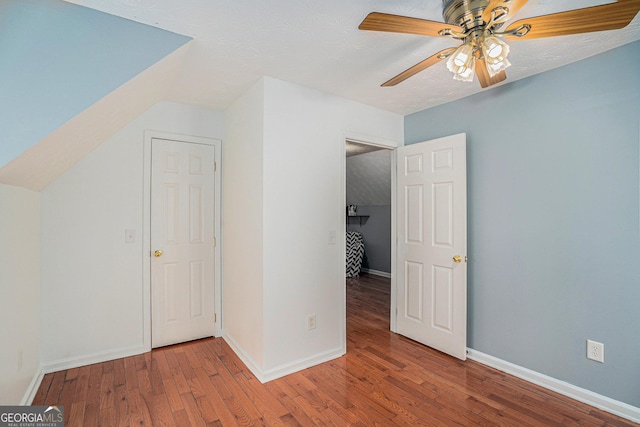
x=384 y=380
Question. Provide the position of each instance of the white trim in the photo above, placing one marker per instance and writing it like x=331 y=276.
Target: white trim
x=370 y=140
x=299 y=365
x=246 y=359
x=376 y=272
x=605 y=403
x=146 y=243
x=282 y=370
x=393 y=309
x=90 y=359
x=34 y=385
x=149 y=135
x=342 y=231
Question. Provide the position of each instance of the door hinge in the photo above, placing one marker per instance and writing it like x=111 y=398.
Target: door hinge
x=215 y=317
x=215 y=242
x=215 y=166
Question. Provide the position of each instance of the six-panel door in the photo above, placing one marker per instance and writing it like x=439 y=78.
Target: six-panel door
x=432 y=244
x=182 y=241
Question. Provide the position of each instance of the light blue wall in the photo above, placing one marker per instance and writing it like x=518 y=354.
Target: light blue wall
x=553 y=218
x=57 y=59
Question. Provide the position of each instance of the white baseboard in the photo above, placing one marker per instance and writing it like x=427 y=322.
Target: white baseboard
x=615 y=407
x=246 y=359
x=298 y=365
x=27 y=399
x=376 y=272
x=286 y=369
x=90 y=359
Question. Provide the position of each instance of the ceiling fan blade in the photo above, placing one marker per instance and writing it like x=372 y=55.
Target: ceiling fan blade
x=513 y=5
x=377 y=21
x=612 y=16
x=483 y=74
x=433 y=59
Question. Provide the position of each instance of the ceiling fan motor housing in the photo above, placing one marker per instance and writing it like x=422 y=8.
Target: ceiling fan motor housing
x=464 y=13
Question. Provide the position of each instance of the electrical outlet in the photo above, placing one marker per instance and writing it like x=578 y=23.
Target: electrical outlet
x=595 y=351
x=130 y=236
x=311 y=322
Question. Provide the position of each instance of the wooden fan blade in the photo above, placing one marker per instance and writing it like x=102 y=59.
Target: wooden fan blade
x=376 y=21
x=513 y=5
x=433 y=59
x=612 y=16
x=483 y=74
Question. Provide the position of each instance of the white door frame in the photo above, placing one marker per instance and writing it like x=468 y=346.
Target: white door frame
x=146 y=228
x=389 y=145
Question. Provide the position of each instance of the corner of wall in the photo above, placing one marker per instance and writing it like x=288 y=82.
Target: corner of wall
x=242 y=226
x=20 y=286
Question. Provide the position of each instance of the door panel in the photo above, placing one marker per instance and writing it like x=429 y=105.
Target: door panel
x=182 y=228
x=432 y=291
x=413 y=291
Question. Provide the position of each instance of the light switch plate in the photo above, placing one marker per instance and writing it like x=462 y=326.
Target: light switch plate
x=332 y=237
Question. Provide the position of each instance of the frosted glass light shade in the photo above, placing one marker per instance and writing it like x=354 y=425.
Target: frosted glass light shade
x=465 y=74
x=462 y=63
x=494 y=49
x=495 y=53
x=461 y=57
x=497 y=67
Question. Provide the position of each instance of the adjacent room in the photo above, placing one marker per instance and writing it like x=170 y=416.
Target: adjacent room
x=368 y=216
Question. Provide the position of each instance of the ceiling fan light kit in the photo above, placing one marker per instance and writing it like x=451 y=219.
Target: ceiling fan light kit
x=462 y=63
x=494 y=51
x=478 y=23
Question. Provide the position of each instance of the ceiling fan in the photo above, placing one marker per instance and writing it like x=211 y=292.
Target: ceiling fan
x=478 y=24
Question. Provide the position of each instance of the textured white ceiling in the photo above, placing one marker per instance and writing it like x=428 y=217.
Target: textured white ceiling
x=317 y=44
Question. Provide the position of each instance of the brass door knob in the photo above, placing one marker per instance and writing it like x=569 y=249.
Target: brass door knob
x=157 y=253
x=457 y=258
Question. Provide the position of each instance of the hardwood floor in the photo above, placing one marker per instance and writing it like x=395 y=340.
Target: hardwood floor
x=384 y=380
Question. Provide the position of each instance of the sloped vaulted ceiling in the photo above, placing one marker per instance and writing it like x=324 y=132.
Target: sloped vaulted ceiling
x=57 y=61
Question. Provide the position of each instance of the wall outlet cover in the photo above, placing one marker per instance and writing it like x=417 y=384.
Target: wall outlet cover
x=311 y=322
x=595 y=351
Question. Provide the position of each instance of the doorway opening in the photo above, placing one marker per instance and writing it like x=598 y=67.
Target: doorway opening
x=369 y=217
x=428 y=240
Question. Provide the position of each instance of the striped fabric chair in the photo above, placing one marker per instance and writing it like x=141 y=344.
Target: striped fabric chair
x=355 y=253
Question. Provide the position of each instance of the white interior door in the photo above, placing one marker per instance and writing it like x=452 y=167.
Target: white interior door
x=432 y=244
x=182 y=241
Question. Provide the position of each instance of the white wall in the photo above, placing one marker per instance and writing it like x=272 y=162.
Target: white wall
x=92 y=288
x=19 y=291
x=242 y=227
x=302 y=201
x=304 y=159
